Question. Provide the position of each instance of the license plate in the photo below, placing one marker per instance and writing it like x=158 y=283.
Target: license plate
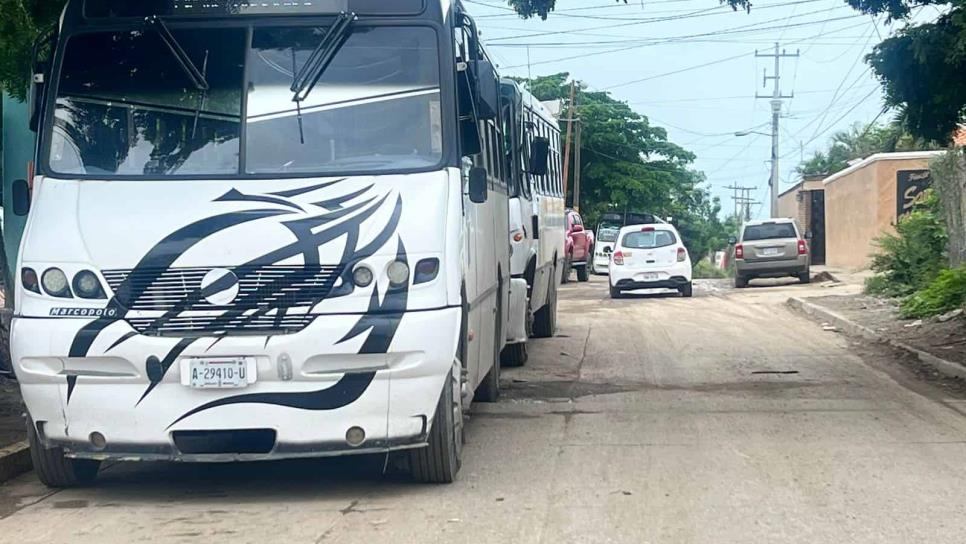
x=770 y=251
x=217 y=373
x=650 y=276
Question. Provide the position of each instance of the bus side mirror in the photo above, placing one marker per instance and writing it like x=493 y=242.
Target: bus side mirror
x=21 y=197
x=479 y=185
x=539 y=156
x=487 y=90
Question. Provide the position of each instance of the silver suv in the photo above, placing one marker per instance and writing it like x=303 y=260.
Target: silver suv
x=771 y=248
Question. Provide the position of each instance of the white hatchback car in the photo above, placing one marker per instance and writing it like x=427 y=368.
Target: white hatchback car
x=649 y=257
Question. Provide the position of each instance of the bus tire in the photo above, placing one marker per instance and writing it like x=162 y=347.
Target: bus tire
x=515 y=355
x=545 y=320
x=489 y=389
x=54 y=468
x=440 y=461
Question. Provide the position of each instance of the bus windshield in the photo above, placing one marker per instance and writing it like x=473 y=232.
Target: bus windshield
x=126 y=107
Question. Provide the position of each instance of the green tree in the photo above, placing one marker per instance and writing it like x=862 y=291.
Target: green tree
x=860 y=141
x=922 y=67
x=20 y=23
x=629 y=164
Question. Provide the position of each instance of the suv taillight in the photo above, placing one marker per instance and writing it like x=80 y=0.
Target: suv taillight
x=682 y=254
x=739 y=251
x=802 y=247
x=618 y=258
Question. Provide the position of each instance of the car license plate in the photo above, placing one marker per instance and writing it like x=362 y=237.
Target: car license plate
x=650 y=276
x=218 y=373
x=770 y=251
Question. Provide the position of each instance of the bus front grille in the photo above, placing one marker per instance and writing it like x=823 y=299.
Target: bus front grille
x=230 y=323
x=262 y=288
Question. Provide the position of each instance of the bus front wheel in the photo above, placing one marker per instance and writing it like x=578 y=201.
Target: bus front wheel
x=440 y=461
x=54 y=468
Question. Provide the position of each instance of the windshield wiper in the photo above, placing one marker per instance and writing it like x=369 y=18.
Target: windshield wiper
x=194 y=74
x=304 y=81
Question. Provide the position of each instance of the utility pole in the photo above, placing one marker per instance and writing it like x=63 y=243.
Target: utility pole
x=776 y=113
x=743 y=202
x=570 y=125
x=577 y=145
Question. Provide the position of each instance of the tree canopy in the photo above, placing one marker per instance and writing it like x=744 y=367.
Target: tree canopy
x=861 y=141
x=922 y=67
x=629 y=164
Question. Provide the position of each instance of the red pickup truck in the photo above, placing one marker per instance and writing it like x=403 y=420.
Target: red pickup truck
x=579 y=247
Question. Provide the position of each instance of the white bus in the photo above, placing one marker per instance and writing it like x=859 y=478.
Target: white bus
x=536 y=220
x=261 y=231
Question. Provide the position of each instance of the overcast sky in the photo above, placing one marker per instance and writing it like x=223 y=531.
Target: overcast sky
x=690 y=66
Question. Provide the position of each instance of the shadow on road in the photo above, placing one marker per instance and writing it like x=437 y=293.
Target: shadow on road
x=337 y=478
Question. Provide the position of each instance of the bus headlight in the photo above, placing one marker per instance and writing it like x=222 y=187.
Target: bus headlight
x=398 y=273
x=29 y=280
x=362 y=276
x=55 y=283
x=86 y=285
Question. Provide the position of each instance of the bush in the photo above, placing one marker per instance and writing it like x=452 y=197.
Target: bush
x=703 y=269
x=913 y=257
x=947 y=292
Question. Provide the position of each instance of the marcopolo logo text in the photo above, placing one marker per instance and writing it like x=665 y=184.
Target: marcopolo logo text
x=83 y=312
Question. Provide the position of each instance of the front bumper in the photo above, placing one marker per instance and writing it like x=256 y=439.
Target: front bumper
x=310 y=389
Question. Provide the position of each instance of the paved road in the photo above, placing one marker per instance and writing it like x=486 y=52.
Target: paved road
x=718 y=419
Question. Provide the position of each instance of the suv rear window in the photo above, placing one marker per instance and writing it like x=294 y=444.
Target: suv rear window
x=770 y=231
x=649 y=239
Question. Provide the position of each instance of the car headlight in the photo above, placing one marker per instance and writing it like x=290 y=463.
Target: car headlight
x=398 y=273
x=55 y=283
x=86 y=285
x=362 y=276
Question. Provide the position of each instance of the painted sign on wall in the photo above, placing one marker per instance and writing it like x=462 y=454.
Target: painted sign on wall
x=910 y=184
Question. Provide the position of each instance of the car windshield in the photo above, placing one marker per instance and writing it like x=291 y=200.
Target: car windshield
x=769 y=231
x=607 y=235
x=136 y=113
x=650 y=239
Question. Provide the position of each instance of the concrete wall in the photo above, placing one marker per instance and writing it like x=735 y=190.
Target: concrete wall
x=860 y=205
x=788 y=202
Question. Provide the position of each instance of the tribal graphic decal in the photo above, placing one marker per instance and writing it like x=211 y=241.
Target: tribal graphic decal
x=382 y=319
x=261 y=308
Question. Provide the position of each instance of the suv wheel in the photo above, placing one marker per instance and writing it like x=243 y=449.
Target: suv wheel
x=740 y=281
x=805 y=277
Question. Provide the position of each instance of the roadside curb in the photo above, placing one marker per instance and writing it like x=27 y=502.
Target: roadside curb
x=14 y=461
x=944 y=367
